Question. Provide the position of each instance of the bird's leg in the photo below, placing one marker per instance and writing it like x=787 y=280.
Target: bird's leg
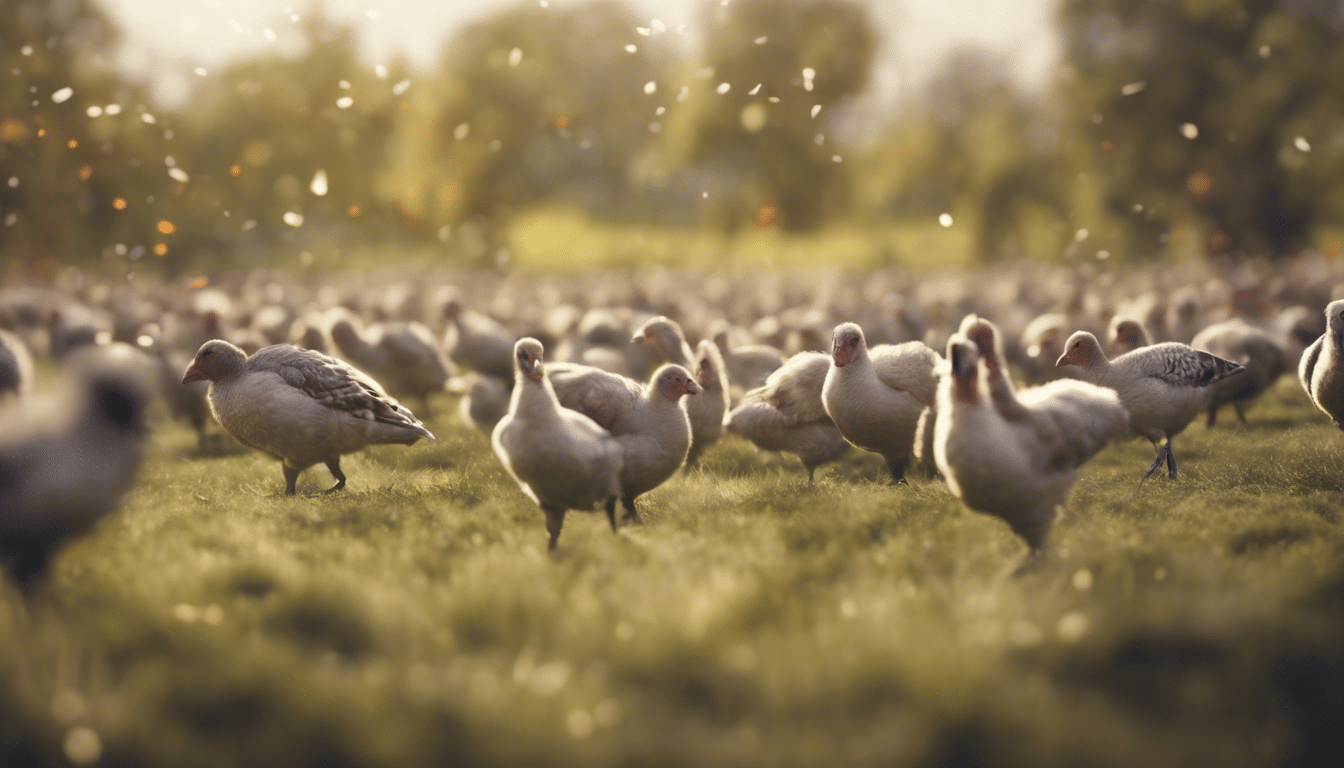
x=291 y=477
x=334 y=466
x=631 y=514
x=1171 y=459
x=897 y=468
x=811 y=473
x=611 y=513
x=1030 y=562
x=1161 y=457
x=1241 y=412
x=1213 y=417
x=555 y=518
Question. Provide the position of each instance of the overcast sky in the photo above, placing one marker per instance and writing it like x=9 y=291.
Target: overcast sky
x=171 y=38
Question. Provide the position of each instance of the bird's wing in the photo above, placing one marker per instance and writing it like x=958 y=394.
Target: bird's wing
x=1075 y=420
x=1177 y=365
x=337 y=385
x=602 y=396
x=795 y=388
x=907 y=367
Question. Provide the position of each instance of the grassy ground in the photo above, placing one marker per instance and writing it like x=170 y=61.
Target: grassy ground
x=415 y=618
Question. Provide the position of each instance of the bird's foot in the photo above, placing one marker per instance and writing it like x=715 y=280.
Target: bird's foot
x=1161 y=459
x=1030 y=563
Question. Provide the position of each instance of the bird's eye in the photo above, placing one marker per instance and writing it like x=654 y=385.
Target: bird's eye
x=207 y=353
x=1077 y=344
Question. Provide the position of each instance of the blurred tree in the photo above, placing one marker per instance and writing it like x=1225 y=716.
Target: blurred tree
x=1217 y=114
x=758 y=102
x=973 y=147
x=533 y=104
x=285 y=149
x=76 y=181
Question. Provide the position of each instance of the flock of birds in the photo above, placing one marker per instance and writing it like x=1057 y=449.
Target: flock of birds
x=1004 y=383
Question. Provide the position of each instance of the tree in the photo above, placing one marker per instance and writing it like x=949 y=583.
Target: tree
x=973 y=147
x=1219 y=115
x=759 y=101
x=80 y=167
x=534 y=104
x=287 y=149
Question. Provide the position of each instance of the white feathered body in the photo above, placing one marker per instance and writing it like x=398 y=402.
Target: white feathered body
x=786 y=413
x=1022 y=469
x=304 y=407
x=1163 y=386
x=480 y=343
x=654 y=432
x=1322 y=376
x=561 y=458
x=707 y=409
x=876 y=399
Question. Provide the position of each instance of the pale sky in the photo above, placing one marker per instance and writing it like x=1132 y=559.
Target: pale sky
x=168 y=39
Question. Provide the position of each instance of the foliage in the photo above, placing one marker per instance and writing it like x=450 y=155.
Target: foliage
x=76 y=142
x=758 y=102
x=531 y=105
x=276 y=137
x=1222 y=116
x=1175 y=128
x=978 y=150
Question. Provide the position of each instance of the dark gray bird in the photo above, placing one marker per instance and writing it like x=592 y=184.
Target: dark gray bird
x=65 y=463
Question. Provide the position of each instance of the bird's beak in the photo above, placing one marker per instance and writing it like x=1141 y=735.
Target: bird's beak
x=840 y=356
x=192 y=375
x=638 y=338
x=692 y=388
x=535 y=370
x=1063 y=360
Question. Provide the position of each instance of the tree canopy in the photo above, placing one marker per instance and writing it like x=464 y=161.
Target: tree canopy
x=1209 y=125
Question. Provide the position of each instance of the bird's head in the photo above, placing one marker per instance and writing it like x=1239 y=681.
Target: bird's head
x=963 y=359
x=527 y=354
x=217 y=359
x=660 y=333
x=710 y=363
x=1082 y=349
x=673 y=381
x=845 y=343
x=984 y=336
x=1128 y=334
x=1334 y=318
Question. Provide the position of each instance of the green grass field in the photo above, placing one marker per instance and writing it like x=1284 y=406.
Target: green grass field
x=416 y=620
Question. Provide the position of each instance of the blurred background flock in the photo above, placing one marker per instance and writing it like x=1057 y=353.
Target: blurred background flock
x=592 y=134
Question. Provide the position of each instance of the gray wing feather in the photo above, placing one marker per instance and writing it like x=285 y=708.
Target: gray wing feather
x=333 y=383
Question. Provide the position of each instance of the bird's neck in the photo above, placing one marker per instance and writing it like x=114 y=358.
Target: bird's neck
x=533 y=398
x=966 y=389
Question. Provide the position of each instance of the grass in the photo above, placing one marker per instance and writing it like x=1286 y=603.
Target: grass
x=416 y=619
